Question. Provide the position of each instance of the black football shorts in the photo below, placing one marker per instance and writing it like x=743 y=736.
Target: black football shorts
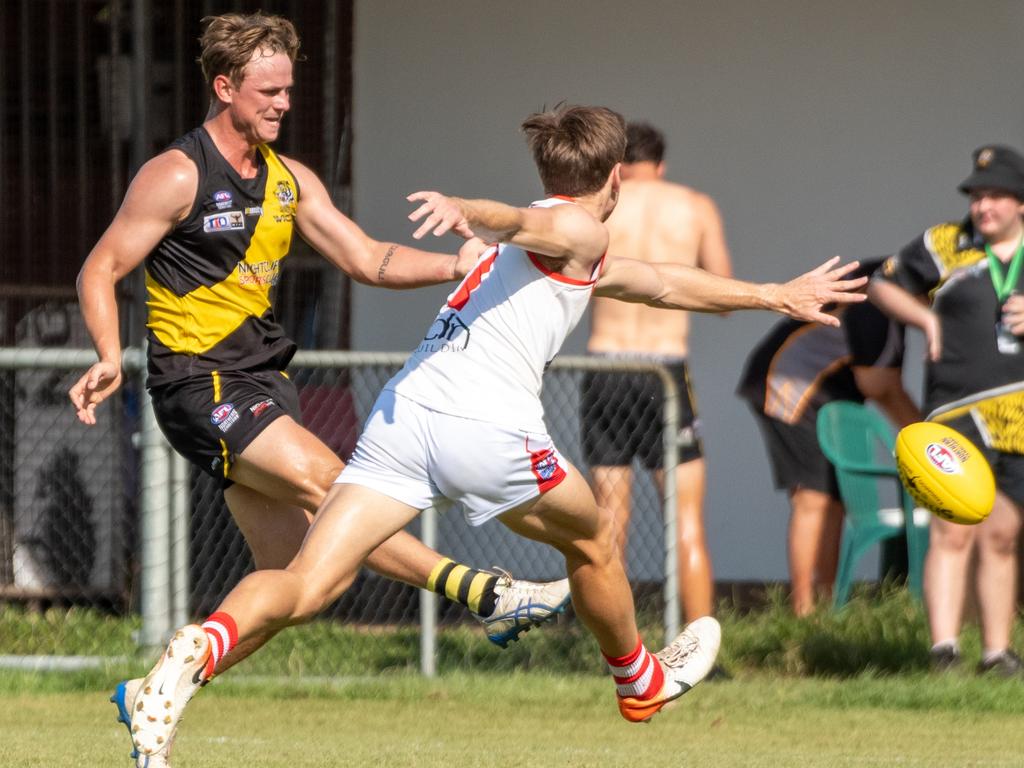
x=211 y=418
x=621 y=417
x=795 y=456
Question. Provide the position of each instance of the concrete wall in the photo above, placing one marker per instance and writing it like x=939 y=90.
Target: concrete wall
x=819 y=127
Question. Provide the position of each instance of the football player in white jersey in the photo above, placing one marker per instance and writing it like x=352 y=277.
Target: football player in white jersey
x=462 y=421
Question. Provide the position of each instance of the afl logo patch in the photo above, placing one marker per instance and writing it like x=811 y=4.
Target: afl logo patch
x=222 y=199
x=942 y=458
x=223 y=416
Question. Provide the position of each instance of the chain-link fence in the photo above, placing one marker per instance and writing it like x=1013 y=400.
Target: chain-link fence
x=108 y=540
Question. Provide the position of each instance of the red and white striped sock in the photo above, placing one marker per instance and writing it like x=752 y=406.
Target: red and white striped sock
x=638 y=674
x=223 y=634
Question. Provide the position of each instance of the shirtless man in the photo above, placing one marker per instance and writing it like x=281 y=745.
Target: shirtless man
x=655 y=221
x=463 y=422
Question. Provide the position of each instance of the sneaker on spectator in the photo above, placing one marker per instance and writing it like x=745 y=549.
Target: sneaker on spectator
x=521 y=606
x=944 y=658
x=1004 y=664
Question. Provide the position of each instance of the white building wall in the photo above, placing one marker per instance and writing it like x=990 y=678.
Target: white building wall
x=819 y=127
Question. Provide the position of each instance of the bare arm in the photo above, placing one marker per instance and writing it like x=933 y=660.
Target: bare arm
x=885 y=387
x=908 y=309
x=561 y=231
x=675 y=286
x=343 y=243
x=159 y=196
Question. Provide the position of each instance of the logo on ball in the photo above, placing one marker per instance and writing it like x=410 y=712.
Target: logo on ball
x=942 y=458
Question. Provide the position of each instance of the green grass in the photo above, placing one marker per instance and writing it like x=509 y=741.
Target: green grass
x=882 y=632
x=534 y=719
x=837 y=689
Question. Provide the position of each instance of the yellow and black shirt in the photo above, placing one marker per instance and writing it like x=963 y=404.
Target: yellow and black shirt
x=209 y=282
x=947 y=264
x=798 y=367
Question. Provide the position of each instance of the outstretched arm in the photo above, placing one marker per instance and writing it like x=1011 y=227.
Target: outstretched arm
x=674 y=286
x=158 y=197
x=561 y=231
x=365 y=260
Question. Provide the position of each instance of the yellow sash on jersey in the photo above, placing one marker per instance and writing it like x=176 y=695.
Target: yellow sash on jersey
x=199 y=320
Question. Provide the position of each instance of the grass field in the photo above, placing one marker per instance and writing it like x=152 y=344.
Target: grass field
x=846 y=689
x=533 y=720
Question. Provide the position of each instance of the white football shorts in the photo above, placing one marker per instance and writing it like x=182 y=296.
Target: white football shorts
x=425 y=458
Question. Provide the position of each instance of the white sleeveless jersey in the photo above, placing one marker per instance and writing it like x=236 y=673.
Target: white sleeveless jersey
x=485 y=353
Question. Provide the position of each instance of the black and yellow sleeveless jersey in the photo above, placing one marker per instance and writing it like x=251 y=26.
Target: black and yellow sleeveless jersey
x=209 y=282
x=947 y=264
x=798 y=367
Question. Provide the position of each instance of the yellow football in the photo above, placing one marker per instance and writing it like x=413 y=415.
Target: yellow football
x=945 y=472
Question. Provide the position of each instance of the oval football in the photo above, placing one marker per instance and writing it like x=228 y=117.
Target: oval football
x=945 y=472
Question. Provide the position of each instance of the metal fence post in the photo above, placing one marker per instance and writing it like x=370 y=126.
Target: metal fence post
x=670 y=438
x=428 y=601
x=155 y=524
x=179 y=500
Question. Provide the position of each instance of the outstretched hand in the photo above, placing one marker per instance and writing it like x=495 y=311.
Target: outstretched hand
x=95 y=386
x=443 y=214
x=804 y=297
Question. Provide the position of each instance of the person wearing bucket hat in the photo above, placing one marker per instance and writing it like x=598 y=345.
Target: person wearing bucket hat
x=996 y=167
x=960 y=283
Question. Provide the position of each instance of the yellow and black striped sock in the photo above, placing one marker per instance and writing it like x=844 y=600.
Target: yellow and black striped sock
x=465 y=585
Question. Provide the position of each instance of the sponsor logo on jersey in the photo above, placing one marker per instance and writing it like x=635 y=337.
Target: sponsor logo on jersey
x=942 y=458
x=220 y=222
x=448 y=333
x=222 y=199
x=286 y=197
x=257 y=408
x=254 y=210
x=223 y=416
x=259 y=274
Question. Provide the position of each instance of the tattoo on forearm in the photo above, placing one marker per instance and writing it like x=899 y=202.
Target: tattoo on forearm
x=384 y=262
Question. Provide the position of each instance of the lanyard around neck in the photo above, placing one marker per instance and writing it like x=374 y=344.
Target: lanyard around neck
x=1005 y=284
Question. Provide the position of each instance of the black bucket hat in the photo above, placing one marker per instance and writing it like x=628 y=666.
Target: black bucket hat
x=996 y=166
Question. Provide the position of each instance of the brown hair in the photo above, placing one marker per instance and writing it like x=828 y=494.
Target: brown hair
x=229 y=41
x=644 y=143
x=575 y=148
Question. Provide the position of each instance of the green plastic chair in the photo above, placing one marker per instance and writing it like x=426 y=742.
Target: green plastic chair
x=859 y=442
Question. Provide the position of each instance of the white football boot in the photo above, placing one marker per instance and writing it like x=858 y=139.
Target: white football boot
x=523 y=605
x=123 y=698
x=159 y=705
x=685 y=662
